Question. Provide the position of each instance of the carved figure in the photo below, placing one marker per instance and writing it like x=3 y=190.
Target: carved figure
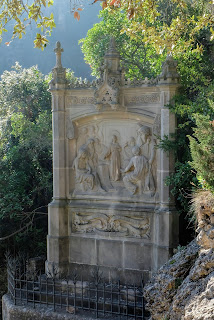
x=85 y=176
x=114 y=154
x=93 y=158
x=83 y=171
x=147 y=145
x=139 y=166
x=92 y=131
x=128 y=147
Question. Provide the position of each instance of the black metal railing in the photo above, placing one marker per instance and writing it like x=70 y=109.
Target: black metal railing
x=75 y=294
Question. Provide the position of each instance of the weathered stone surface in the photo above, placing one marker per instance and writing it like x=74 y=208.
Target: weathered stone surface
x=160 y=291
x=194 y=299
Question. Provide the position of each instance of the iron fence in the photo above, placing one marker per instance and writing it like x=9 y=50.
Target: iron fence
x=74 y=293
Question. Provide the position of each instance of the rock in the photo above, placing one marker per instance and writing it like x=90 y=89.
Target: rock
x=160 y=291
x=195 y=297
x=203 y=206
x=183 y=289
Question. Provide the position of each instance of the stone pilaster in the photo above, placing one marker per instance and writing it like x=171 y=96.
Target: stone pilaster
x=166 y=218
x=58 y=218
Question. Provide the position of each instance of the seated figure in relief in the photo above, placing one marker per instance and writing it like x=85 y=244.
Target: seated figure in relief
x=138 y=167
x=115 y=161
x=85 y=177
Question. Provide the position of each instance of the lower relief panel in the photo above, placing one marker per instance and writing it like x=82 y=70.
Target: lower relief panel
x=107 y=224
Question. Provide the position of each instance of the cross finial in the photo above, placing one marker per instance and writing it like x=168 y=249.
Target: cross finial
x=58 y=50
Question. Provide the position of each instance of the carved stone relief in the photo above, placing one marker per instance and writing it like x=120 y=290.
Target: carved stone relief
x=140 y=82
x=139 y=166
x=145 y=98
x=106 y=95
x=146 y=143
x=73 y=100
x=115 y=162
x=119 y=225
x=111 y=160
x=85 y=166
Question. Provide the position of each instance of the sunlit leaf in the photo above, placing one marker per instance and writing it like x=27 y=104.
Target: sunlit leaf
x=76 y=15
x=104 y=4
x=44 y=3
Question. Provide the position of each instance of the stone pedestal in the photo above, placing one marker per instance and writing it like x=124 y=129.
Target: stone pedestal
x=111 y=207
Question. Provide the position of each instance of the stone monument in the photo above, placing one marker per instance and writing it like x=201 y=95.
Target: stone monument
x=111 y=207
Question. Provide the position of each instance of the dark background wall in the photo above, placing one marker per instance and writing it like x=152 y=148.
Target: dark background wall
x=68 y=31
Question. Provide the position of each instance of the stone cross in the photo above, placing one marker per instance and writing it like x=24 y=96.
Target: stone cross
x=58 y=50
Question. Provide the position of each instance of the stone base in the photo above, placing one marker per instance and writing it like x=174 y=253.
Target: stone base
x=23 y=312
x=125 y=242
x=129 y=260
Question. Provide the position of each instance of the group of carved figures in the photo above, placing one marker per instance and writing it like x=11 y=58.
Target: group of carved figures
x=138 y=173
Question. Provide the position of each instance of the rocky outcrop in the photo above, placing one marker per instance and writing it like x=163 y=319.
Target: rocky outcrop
x=183 y=289
x=195 y=297
x=160 y=291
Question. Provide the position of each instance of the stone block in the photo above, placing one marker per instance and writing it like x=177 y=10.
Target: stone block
x=58 y=125
x=109 y=253
x=167 y=225
x=82 y=250
x=59 y=182
x=58 y=249
x=57 y=219
x=59 y=160
x=137 y=256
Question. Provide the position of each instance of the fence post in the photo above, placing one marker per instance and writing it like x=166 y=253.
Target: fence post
x=119 y=308
x=54 y=306
x=97 y=298
x=143 y=306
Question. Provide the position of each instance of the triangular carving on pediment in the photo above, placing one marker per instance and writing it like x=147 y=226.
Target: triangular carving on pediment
x=107 y=96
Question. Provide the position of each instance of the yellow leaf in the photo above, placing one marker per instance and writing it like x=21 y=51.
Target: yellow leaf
x=44 y=3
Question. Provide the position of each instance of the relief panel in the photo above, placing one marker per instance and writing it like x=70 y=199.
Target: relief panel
x=119 y=225
x=143 y=98
x=115 y=156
